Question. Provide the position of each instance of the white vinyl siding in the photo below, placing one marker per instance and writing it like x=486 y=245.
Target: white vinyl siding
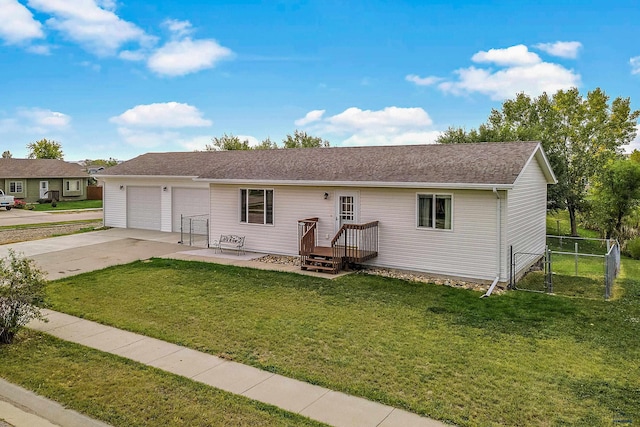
x=467 y=251
x=188 y=202
x=143 y=207
x=527 y=212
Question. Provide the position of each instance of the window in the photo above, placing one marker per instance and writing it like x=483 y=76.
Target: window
x=15 y=187
x=256 y=206
x=73 y=185
x=434 y=211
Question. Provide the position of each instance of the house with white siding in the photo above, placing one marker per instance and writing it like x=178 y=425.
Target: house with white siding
x=452 y=210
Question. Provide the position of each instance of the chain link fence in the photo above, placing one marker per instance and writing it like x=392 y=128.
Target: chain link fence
x=580 y=267
x=194 y=230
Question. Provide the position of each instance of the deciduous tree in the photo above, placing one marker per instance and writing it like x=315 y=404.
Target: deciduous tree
x=227 y=142
x=45 y=149
x=301 y=139
x=580 y=135
x=7 y=154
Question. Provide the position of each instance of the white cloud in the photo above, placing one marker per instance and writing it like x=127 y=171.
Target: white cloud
x=180 y=29
x=177 y=58
x=560 y=49
x=635 y=65
x=423 y=81
x=133 y=55
x=514 y=55
x=310 y=117
x=389 y=126
x=18 y=24
x=45 y=118
x=39 y=49
x=162 y=115
x=92 y=24
x=517 y=70
x=196 y=143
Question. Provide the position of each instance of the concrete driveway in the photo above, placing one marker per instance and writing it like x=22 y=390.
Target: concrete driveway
x=78 y=253
x=24 y=216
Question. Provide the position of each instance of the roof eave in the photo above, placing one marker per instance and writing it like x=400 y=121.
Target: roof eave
x=369 y=184
x=101 y=176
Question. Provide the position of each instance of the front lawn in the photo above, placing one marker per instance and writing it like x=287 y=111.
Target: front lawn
x=125 y=393
x=71 y=205
x=517 y=359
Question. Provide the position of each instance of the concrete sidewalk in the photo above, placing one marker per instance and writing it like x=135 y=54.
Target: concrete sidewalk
x=318 y=403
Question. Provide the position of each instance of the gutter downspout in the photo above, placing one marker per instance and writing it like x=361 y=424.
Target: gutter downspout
x=499 y=243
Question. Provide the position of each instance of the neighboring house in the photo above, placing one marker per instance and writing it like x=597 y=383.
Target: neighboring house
x=452 y=210
x=34 y=179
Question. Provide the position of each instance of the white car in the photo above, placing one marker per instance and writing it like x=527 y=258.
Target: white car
x=6 y=202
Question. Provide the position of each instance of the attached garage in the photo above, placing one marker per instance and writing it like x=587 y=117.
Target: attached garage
x=143 y=207
x=188 y=202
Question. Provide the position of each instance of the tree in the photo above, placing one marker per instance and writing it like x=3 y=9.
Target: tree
x=266 y=144
x=615 y=196
x=580 y=135
x=45 y=149
x=102 y=162
x=228 y=142
x=22 y=290
x=635 y=156
x=7 y=154
x=301 y=139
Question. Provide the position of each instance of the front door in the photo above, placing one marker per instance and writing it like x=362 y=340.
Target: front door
x=44 y=189
x=346 y=209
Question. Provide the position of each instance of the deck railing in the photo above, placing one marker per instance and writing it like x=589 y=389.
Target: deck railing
x=307 y=237
x=356 y=242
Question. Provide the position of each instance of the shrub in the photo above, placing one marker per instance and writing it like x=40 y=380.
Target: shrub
x=633 y=248
x=22 y=287
x=19 y=204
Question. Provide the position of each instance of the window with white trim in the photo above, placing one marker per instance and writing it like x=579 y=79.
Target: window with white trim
x=256 y=206
x=15 y=187
x=73 y=185
x=435 y=211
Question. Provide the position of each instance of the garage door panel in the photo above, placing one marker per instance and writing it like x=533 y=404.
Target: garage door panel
x=143 y=207
x=188 y=202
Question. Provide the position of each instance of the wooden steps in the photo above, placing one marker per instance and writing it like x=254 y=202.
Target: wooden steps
x=322 y=259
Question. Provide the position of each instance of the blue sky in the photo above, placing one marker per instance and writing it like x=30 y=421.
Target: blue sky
x=109 y=78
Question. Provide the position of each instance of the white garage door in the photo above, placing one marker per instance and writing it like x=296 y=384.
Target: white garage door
x=143 y=207
x=188 y=202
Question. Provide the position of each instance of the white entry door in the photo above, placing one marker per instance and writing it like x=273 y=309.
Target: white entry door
x=44 y=189
x=346 y=208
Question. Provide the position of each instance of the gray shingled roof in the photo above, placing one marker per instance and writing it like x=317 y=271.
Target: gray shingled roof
x=485 y=163
x=39 y=168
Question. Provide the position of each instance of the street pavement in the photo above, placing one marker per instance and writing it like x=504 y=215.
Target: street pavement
x=25 y=216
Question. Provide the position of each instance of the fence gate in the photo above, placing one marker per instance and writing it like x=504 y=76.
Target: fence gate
x=538 y=264
x=194 y=230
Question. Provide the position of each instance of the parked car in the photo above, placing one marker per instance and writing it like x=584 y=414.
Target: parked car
x=6 y=202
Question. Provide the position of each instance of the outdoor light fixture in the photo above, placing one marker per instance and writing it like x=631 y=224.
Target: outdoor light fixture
x=164 y=188
x=326 y=196
x=122 y=187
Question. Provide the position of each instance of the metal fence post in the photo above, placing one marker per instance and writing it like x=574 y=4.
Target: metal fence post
x=512 y=284
x=576 y=251
x=549 y=275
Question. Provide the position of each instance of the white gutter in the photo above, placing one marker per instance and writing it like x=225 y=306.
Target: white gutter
x=373 y=184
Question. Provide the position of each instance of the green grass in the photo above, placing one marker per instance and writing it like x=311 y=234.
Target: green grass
x=518 y=359
x=125 y=393
x=71 y=205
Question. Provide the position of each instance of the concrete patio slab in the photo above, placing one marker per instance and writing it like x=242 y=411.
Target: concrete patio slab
x=286 y=393
x=187 y=362
x=342 y=410
x=233 y=377
x=147 y=350
x=111 y=339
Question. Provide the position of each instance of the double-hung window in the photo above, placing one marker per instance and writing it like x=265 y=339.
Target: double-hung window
x=73 y=185
x=15 y=187
x=256 y=206
x=434 y=211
